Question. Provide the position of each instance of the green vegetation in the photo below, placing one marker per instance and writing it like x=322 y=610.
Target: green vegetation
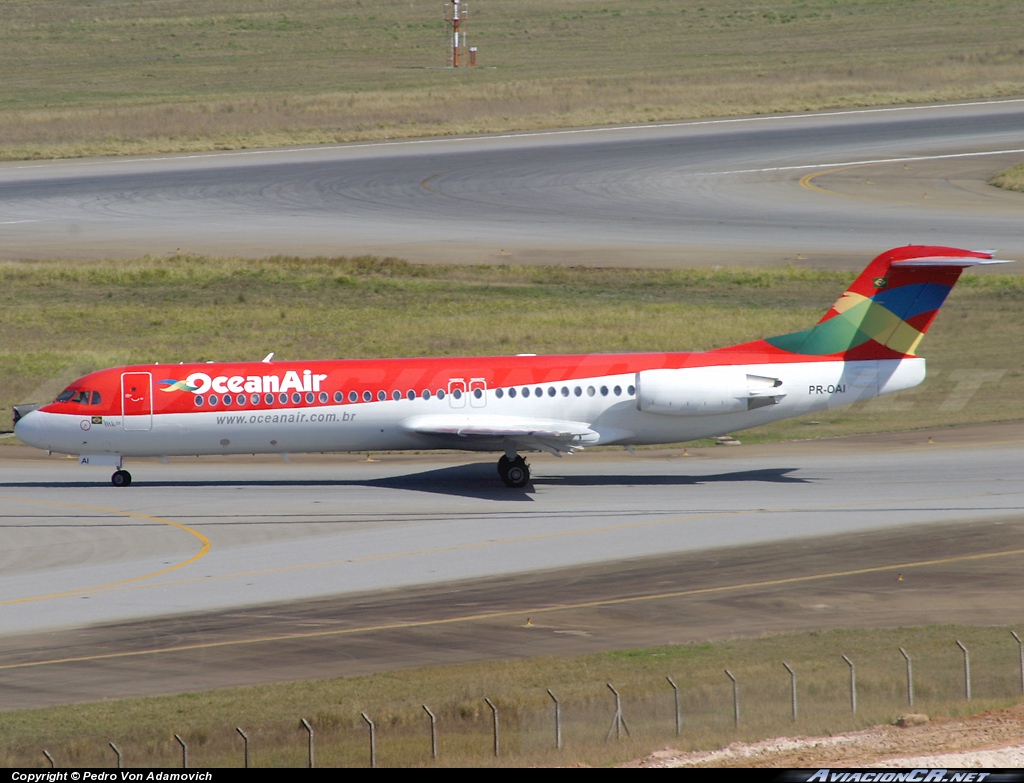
x=1011 y=179
x=61 y=319
x=166 y=75
x=144 y=728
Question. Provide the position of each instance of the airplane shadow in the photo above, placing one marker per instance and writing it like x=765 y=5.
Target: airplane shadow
x=476 y=480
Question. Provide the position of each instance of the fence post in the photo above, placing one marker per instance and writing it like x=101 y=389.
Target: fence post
x=433 y=732
x=558 y=721
x=494 y=711
x=679 y=714
x=373 y=741
x=1020 y=647
x=910 y=678
x=967 y=671
x=618 y=721
x=309 y=728
x=184 y=751
x=245 y=740
x=792 y=687
x=735 y=700
x=853 y=685
x=118 y=752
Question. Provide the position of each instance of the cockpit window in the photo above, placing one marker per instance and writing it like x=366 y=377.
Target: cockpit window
x=81 y=396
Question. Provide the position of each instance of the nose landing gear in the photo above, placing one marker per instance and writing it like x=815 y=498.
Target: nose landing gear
x=514 y=471
x=121 y=478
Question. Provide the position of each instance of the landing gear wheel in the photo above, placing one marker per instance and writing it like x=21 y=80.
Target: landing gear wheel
x=514 y=472
x=503 y=465
x=121 y=478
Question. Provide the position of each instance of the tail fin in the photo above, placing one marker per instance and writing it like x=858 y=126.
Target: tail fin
x=888 y=308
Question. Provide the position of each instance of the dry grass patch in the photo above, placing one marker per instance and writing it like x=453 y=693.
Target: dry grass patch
x=1011 y=179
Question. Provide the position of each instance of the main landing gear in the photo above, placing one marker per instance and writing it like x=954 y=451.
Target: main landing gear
x=514 y=471
x=121 y=478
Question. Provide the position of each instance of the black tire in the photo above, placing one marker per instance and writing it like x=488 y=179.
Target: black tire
x=518 y=474
x=503 y=465
x=121 y=478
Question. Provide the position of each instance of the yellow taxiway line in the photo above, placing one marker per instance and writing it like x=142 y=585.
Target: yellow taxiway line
x=78 y=591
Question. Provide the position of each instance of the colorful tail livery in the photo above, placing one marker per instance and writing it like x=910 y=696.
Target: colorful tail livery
x=864 y=346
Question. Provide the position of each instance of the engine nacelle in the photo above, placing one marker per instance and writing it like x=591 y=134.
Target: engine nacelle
x=704 y=391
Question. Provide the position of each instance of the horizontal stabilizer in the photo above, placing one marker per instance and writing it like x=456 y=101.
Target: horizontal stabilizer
x=951 y=262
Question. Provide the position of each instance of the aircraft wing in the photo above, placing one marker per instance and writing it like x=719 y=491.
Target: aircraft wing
x=551 y=435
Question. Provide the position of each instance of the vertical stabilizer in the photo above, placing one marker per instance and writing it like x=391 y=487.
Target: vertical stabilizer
x=889 y=307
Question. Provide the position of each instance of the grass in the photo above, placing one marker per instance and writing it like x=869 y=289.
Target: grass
x=1011 y=179
x=169 y=75
x=61 y=319
x=144 y=728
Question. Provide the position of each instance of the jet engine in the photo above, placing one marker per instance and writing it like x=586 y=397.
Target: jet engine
x=703 y=391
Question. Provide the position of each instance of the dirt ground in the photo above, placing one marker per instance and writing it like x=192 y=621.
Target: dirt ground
x=992 y=740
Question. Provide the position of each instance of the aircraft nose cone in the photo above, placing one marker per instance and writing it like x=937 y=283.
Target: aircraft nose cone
x=28 y=429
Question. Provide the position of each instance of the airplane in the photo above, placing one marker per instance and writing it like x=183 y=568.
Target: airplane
x=864 y=346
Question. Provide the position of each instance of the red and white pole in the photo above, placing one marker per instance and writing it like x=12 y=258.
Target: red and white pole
x=455 y=34
x=457 y=20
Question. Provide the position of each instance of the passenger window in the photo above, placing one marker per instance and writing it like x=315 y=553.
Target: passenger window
x=367 y=396
x=565 y=391
x=410 y=395
x=214 y=399
x=282 y=398
x=478 y=393
x=512 y=393
x=440 y=394
x=578 y=391
x=227 y=399
x=382 y=395
x=353 y=396
x=396 y=395
x=296 y=398
x=591 y=391
x=199 y=402
x=255 y=399
x=604 y=391
x=240 y=399
x=457 y=394
x=339 y=397
x=499 y=393
x=310 y=397
x=268 y=399
x=426 y=394
x=618 y=391
x=631 y=390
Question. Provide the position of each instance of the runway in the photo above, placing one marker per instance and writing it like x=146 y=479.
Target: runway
x=434 y=556
x=820 y=189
